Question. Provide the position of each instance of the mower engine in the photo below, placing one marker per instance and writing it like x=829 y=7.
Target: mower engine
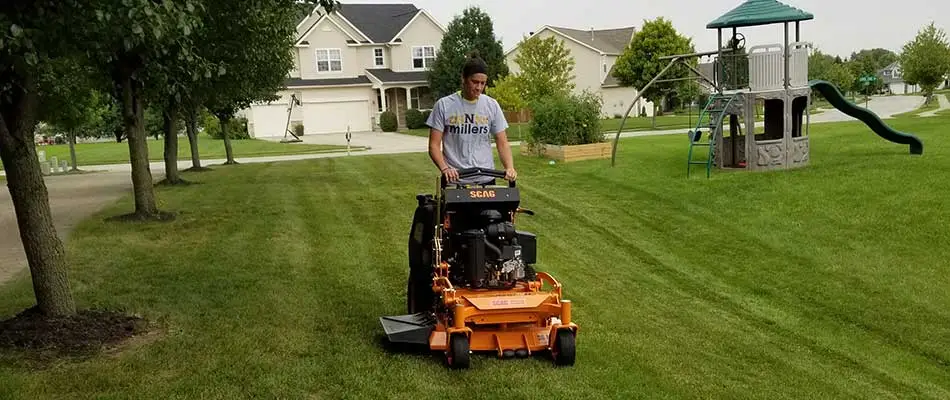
x=488 y=252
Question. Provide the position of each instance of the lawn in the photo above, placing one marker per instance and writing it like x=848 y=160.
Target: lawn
x=823 y=282
x=208 y=148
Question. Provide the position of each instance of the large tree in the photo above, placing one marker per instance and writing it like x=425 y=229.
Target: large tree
x=546 y=67
x=470 y=33
x=33 y=33
x=251 y=42
x=640 y=61
x=926 y=59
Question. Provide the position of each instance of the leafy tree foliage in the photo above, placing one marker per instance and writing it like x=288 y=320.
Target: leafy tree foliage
x=640 y=61
x=832 y=69
x=251 y=42
x=926 y=59
x=546 y=68
x=471 y=32
x=509 y=92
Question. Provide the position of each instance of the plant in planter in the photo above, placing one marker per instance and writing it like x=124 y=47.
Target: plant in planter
x=567 y=128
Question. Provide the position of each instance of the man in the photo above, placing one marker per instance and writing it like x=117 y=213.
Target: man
x=462 y=124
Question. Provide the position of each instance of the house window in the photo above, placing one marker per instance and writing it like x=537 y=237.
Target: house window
x=420 y=98
x=423 y=56
x=329 y=60
x=378 y=58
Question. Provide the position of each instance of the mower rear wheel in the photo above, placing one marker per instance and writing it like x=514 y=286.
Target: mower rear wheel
x=458 y=355
x=564 y=350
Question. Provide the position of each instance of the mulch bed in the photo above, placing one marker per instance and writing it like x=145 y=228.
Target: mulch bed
x=86 y=333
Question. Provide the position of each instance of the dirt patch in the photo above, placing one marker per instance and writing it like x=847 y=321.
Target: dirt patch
x=35 y=338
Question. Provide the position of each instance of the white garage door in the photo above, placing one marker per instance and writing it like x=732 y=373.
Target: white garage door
x=335 y=117
x=268 y=120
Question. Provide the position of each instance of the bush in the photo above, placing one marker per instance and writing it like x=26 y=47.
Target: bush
x=298 y=129
x=237 y=128
x=425 y=116
x=566 y=120
x=388 y=121
x=414 y=119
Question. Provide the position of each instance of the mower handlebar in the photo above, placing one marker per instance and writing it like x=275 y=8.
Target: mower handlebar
x=470 y=172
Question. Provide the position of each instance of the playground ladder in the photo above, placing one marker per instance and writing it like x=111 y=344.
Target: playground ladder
x=713 y=113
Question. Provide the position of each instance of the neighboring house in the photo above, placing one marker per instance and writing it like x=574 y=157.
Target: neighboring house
x=350 y=66
x=894 y=80
x=594 y=53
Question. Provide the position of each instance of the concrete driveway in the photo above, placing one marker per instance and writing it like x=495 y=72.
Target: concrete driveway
x=72 y=199
x=884 y=107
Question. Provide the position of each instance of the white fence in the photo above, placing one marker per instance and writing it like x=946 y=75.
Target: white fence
x=767 y=66
x=798 y=65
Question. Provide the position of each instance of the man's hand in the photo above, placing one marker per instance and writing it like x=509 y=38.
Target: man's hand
x=451 y=174
x=511 y=174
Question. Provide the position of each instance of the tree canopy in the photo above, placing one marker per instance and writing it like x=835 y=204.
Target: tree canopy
x=472 y=32
x=926 y=59
x=546 y=67
x=640 y=61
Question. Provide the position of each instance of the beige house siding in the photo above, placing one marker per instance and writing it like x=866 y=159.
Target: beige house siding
x=420 y=32
x=326 y=35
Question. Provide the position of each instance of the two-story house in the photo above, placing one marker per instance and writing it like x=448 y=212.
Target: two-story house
x=594 y=53
x=350 y=66
x=894 y=82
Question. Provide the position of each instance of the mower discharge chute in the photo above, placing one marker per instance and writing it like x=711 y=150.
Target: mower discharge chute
x=472 y=285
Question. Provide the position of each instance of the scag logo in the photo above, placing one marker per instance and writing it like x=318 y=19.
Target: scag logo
x=482 y=194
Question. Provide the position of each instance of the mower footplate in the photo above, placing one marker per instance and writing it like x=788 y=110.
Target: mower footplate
x=412 y=328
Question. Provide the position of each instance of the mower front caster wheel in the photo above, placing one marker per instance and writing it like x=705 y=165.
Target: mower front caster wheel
x=458 y=355
x=564 y=350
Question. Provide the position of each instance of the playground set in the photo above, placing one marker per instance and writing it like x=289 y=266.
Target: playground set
x=775 y=75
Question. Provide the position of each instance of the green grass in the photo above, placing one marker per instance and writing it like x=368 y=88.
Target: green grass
x=823 y=282
x=208 y=148
x=519 y=131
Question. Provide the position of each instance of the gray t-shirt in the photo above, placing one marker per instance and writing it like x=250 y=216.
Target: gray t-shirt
x=467 y=128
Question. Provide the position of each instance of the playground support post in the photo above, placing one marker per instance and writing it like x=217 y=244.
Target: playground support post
x=613 y=155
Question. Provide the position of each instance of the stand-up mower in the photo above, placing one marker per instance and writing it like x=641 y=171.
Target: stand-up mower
x=472 y=284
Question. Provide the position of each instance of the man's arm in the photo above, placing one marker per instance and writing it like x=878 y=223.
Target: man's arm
x=504 y=150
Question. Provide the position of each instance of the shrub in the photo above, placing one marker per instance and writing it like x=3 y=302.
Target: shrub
x=425 y=116
x=388 y=121
x=566 y=120
x=237 y=128
x=298 y=129
x=414 y=119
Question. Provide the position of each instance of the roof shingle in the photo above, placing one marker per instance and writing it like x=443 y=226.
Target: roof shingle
x=381 y=22
x=610 y=41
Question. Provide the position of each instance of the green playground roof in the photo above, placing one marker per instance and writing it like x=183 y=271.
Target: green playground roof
x=759 y=12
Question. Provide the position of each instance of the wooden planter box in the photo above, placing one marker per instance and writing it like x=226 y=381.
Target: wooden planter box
x=569 y=153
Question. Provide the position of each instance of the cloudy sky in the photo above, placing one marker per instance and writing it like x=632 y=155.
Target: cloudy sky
x=839 y=27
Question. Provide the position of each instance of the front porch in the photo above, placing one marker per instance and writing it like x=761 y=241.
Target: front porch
x=399 y=99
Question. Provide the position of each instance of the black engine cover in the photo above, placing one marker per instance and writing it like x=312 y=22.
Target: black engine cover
x=529 y=247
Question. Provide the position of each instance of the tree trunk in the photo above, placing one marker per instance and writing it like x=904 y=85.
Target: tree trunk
x=44 y=250
x=192 y=126
x=72 y=150
x=169 y=118
x=223 y=121
x=133 y=119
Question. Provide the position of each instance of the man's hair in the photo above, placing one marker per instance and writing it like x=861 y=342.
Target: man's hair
x=474 y=65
